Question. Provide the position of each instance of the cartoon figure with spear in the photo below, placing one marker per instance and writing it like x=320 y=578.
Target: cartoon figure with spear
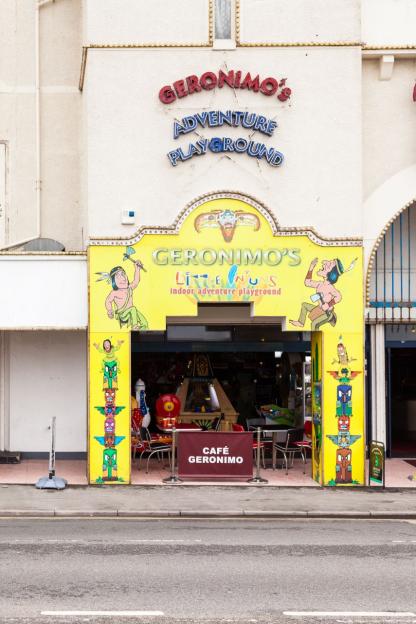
x=119 y=302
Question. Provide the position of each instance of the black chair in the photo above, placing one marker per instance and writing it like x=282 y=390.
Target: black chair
x=289 y=448
x=253 y=423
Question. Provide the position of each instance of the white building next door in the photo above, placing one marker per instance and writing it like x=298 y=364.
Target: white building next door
x=2 y=194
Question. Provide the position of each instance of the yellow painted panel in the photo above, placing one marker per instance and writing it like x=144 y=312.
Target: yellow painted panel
x=227 y=252
x=109 y=408
x=316 y=353
x=343 y=408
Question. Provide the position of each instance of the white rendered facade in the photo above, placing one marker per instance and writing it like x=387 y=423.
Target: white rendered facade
x=84 y=136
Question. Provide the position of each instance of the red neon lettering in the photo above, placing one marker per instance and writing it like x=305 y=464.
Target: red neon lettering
x=166 y=95
x=193 y=84
x=269 y=86
x=285 y=94
x=250 y=83
x=208 y=81
x=225 y=79
x=179 y=87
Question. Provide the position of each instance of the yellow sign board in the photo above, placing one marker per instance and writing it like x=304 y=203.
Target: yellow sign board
x=226 y=251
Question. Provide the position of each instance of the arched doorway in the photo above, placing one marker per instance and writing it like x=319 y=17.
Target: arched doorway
x=391 y=313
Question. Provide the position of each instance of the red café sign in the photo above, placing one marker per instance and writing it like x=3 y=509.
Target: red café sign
x=215 y=455
x=234 y=79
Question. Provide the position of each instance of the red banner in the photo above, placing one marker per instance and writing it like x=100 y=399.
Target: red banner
x=210 y=455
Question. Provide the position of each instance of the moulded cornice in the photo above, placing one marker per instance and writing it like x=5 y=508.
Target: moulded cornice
x=59 y=254
x=399 y=52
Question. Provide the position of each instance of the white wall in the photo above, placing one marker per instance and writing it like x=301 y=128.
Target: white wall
x=186 y=21
x=48 y=375
x=3 y=177
x=389 y=146
x=141 y=21
x=388 y=22
x=63 y=216
x=17 y=112
x=60 y=110
x=389 y=128
x=48 y=291
x=385 y=202
x=297 y=21
x=130 y=132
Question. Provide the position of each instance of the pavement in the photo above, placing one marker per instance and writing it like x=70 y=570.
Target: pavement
x=209 y=501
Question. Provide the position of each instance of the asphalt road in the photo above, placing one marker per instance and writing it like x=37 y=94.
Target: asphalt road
x=206 y=570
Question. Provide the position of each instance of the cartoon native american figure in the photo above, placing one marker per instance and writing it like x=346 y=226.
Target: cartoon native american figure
x=226 y=221
x=119 y=301
x=110 y=364
x=344 y=374
x=108 y=349
x=326 y=296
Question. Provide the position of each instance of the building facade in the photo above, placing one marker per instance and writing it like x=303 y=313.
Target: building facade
x=197 y=136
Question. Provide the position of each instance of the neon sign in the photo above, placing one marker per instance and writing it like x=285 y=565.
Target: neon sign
x=214 y=119
x=217 y=145
x=209 y=80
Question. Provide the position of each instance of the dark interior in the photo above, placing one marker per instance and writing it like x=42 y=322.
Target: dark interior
x=403 y=402
x=255 y=365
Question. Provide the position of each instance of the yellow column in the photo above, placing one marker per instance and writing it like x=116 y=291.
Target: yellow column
x=316 y=353
x=109 y=456
x=342 y=409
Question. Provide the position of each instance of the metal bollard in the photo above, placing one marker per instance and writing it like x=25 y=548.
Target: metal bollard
x=258 y=478
x=51 y=482
x=173 y=476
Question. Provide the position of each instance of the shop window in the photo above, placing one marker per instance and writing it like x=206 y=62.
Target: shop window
x=223 y=25
x=392 y=284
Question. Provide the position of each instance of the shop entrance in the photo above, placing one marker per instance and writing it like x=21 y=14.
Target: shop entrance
x=226 y=251
x=401 y=405
x=255 y=368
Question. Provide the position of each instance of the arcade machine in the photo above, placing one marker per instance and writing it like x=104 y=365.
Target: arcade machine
x=202 y=397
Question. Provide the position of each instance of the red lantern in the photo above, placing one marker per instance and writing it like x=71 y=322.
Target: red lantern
x=168 y=408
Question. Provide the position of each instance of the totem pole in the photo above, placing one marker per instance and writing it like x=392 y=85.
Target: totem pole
x=344 y=412
x=109 y=410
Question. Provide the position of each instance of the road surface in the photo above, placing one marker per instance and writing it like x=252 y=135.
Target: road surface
x=210 y=571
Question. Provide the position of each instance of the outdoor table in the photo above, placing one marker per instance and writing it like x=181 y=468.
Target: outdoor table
x=180 y=427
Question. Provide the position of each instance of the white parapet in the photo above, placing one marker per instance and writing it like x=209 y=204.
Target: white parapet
x=43 y=291
x=388 y=23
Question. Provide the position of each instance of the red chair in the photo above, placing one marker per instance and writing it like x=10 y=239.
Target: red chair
x=306 y=443
x=240 y=429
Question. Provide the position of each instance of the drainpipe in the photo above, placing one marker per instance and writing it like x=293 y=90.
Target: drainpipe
x=38 y=6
